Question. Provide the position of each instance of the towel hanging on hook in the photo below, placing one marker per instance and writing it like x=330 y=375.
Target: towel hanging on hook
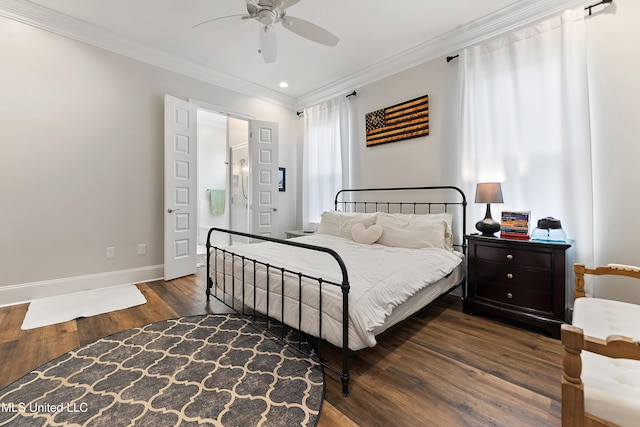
x=217 y=200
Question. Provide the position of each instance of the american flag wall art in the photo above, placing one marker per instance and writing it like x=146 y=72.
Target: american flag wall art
x=402 y=121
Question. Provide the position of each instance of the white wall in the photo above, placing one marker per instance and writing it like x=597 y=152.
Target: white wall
x=81 y=143
x=428 y=160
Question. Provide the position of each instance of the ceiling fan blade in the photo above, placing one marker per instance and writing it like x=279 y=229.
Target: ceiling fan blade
x=309 y=31
x=243 y=15
x=288 y=3
x=252 y=7
x=268 y=43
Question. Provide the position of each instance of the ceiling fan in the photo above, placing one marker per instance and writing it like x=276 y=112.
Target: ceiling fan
x=270 y=12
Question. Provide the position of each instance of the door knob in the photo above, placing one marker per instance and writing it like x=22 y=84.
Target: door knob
x=172 y=210
x=274 y=209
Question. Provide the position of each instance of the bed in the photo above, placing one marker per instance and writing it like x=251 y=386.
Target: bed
x=380 y=256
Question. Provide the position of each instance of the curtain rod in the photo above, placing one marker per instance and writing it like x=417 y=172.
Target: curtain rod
x=451 y=58
x=597 y=4
x=299 y=113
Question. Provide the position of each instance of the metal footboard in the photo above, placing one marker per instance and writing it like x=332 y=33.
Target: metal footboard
x=253 y=265
x=414 y=200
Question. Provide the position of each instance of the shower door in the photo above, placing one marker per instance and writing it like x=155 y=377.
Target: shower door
x=239 y=190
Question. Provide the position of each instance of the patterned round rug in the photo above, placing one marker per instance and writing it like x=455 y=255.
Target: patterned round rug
x=216 y=370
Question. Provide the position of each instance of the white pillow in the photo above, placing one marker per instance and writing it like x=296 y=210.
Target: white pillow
x=407 y=232
x=340 y=223
x=414 y=220
x=366 y=236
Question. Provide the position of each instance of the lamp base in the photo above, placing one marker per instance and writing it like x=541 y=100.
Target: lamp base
x=488 y=226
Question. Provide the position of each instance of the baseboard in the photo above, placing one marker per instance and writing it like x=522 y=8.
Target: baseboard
x=26 y=292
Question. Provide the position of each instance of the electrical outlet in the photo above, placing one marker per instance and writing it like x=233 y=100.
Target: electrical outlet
x=111 y=252
x=142 y=249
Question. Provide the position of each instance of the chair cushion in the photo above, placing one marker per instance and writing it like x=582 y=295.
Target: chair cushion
x=611 y=386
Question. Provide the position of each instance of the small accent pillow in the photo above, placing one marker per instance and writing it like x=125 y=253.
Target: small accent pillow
x=366 y=236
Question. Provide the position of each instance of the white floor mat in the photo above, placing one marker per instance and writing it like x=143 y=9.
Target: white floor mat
x=62 y=308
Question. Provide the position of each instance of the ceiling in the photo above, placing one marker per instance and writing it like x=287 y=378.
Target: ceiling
x=377 y=37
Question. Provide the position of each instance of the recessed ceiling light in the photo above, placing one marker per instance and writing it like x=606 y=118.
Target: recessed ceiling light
x=284 y=84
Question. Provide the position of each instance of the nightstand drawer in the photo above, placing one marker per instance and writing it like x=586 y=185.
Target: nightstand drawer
x=523 y=297
x=514 y=256
x=512 y=275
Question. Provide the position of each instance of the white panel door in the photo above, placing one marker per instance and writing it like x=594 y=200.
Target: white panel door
x=180 y=188
x=263 y=147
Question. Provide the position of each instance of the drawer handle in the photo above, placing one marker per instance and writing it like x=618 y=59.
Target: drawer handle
x=509 y=257
x=509 y=276
x=509 y=295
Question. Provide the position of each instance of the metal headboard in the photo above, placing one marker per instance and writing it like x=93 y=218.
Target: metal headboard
x=415 y=200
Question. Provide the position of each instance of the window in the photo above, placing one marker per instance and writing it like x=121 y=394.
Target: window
x=325 y=168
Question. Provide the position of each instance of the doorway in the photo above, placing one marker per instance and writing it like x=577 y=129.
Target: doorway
x=198 y=178
x=221 y=201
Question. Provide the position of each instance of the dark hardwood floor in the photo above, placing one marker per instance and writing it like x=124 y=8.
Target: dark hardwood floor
x=441 y=367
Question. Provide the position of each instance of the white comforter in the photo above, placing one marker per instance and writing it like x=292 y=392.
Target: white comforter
x=380 y=278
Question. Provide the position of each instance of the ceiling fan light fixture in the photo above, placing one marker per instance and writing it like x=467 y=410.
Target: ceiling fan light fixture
x=267 y=17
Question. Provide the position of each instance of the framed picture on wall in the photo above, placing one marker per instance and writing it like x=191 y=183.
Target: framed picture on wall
x=282 y=179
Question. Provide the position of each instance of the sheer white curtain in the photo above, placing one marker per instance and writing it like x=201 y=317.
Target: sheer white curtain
x=525 y=122
x=328 y=127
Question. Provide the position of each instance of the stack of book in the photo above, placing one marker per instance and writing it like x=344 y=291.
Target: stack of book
x=515 y=225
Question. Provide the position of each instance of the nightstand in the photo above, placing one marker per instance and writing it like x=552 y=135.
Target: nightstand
x=298 y=233
x=527 y=281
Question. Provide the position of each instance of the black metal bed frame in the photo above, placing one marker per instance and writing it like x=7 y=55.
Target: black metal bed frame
x=265 y=319
x=352 y=206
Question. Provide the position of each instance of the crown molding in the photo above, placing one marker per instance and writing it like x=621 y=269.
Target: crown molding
x=513 y=17
x=520 y=14
x=64 y=25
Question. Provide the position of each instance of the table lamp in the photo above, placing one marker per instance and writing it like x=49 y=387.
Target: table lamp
x=488 y=192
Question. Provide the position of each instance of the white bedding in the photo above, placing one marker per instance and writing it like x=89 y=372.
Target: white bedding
x=381 y=278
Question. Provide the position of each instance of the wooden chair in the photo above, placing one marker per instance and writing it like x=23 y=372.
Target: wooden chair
x=608 y=332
